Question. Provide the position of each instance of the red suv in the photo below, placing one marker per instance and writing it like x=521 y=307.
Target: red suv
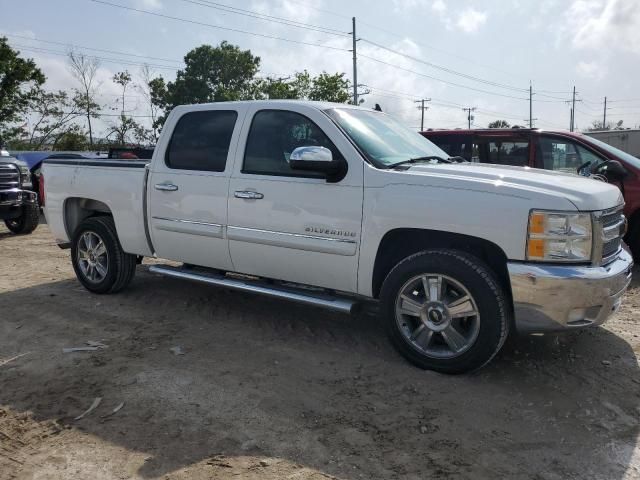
x=552 y=150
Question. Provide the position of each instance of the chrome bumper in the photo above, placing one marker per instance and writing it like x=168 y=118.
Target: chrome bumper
x=17 y=197
x=548 y=298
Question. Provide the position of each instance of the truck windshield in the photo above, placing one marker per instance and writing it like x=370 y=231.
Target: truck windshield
x=624 y=156
x=383 y=140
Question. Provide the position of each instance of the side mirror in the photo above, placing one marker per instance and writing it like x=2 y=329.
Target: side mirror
x=318 y=159
x=613 y=168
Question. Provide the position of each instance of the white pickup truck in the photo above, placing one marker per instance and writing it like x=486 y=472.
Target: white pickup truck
x=334 y=205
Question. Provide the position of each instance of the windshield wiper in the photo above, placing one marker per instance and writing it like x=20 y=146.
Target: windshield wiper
x=426 y=158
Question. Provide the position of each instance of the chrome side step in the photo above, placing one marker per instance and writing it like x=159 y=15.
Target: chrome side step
x=318 y=299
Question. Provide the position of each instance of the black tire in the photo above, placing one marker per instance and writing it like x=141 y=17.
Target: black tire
x=633 y=238
x=121 y=266
x=25 y=223
x=491 y=324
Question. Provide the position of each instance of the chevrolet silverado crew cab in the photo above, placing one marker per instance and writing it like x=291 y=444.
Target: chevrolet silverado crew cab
x=18 y=202
x=335 y=205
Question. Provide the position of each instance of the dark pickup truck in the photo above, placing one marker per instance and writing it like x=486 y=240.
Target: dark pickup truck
x=18 y=202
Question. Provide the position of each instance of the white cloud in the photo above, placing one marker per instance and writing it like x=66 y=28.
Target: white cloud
x=604 y=24
x=593 y=70
x=470 y=20
x=439 y=6
x=149 y=4
x=404 y=5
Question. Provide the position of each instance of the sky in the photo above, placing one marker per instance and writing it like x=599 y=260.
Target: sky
x=458 y=53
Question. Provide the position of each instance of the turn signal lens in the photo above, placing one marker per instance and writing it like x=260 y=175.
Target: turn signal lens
x=559 y=236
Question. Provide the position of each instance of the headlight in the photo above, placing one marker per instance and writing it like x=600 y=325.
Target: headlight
x=25 y=177
x=559 y=236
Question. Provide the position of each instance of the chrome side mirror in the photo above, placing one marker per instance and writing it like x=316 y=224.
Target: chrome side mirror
x=321 y=155
x=319 y=160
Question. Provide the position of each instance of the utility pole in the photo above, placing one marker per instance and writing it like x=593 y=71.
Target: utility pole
x=573 y=109
x=422 y=109
x=530 y=105
x=469 y=117
x=355 y=62
x=604 y=116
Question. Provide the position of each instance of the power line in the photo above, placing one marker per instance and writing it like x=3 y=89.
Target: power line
x=445 y=69
x=71 y=45
x=265 y=17
x=105 y=59
x=439 y=79
x=211 y=25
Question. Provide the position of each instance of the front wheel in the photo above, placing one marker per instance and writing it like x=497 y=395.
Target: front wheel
x=445 y=311
x=100 y=263
x=27 y=222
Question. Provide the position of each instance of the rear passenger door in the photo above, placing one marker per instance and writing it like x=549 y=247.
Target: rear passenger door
x=188 y=186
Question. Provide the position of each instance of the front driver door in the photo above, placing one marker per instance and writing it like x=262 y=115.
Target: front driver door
x=290 y=225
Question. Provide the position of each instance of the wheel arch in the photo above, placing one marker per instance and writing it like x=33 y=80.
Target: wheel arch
x=400 y=243
x=77 y=209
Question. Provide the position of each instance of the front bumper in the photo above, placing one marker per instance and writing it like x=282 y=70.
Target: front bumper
x=549 y=298
x=12 y=200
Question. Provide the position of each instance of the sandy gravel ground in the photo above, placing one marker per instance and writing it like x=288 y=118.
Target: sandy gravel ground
x=270 y=390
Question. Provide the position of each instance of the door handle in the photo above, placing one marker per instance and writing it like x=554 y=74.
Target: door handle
x=166 y=187
x=247 y=194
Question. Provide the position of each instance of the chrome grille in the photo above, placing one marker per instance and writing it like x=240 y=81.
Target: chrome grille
x=9 y=176
x=612 y=227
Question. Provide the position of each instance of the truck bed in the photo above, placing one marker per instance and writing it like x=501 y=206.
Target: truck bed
x=117 y=184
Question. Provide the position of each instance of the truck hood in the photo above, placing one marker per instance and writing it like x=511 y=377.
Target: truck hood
x=586 y=194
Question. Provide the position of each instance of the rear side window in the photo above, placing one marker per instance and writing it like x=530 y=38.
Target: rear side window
x=274 y=134
x=201 y=141
x=508 y=153
x=454 y=145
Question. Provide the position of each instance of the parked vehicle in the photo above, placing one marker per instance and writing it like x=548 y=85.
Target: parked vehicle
x=331 y=205
x=18 y=203
x=552 y=150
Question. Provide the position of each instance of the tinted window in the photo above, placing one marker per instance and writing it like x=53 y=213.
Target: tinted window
x=274 y=135
x=201 y=141
x=564 y=155
x=508 y=152
x=454 y=145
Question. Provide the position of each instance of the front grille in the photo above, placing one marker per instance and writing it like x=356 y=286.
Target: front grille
x=9 y=176
x=612 y=225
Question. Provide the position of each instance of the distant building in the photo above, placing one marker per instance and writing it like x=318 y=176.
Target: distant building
x=626 y=140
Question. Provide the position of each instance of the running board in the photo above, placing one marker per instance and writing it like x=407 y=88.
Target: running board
x=318 y=299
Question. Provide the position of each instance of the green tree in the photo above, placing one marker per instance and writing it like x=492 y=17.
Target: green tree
x=325 y=87
x=214 y=74
x=211 y=74
x=123 y=79
x=20 y=81
x=85 y=68
x=330 y=88
x=53 y=114
x=73 y=139
x=499 y=124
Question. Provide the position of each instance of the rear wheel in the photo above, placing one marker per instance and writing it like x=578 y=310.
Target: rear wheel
x=27 y=222
x=445 y=311
x=98 y=259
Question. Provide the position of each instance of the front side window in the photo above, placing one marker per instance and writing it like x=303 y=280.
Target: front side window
x=381 y=138
x=201 y=141
x=563 y=155
x=274 y=134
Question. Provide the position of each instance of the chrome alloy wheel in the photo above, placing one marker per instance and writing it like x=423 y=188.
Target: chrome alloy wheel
x=93 y=258
x=437 y=315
